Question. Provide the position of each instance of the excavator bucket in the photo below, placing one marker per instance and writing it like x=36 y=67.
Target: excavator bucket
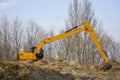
x=106 y=66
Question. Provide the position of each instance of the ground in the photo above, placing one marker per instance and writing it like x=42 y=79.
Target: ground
x=49 y=69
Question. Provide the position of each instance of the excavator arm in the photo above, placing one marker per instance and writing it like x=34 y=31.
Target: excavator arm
x=86 y=26
x=95 y=40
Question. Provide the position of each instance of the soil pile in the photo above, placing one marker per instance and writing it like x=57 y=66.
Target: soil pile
x=20 y=71
x=49 y=69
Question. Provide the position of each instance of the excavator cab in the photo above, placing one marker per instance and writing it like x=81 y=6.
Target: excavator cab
x=33 y=49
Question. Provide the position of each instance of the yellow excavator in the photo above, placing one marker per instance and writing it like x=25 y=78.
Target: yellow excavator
x=37 y=52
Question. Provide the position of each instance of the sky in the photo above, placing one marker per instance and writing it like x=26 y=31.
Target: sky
x=51 y=14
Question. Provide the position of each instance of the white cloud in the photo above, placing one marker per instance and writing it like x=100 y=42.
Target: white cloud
x=7 y=4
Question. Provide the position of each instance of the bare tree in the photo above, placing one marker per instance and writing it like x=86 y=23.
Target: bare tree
x=1 y=44
x=5 y=38
x=49 y=47
x=111 y=47
x=17 y=36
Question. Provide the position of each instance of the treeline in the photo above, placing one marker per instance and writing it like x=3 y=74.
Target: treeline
x=80 y=47
x=16 y=36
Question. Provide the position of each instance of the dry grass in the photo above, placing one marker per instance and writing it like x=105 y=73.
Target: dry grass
x=80 y=72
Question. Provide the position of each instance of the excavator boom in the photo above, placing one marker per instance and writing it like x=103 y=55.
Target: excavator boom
x=32 y=56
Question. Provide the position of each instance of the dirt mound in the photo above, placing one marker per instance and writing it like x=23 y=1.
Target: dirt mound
x=13 y=71
x=49 y=69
